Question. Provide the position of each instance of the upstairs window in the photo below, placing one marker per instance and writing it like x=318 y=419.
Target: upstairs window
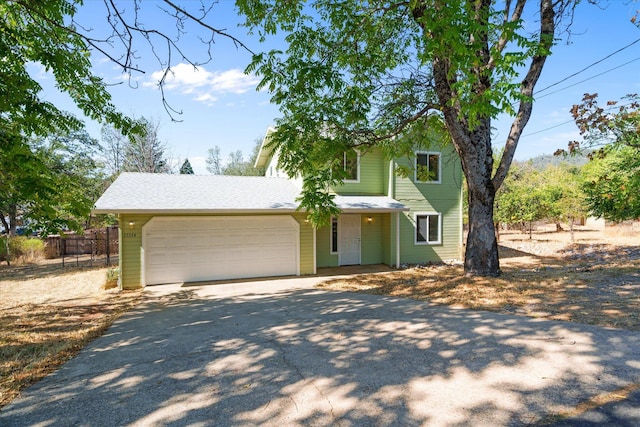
x=350 y=165
x=428 y=229
x=427 y=167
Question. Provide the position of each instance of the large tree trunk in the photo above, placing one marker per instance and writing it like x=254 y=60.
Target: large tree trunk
x=470 y=129
x=474 y=148
x=481 y=255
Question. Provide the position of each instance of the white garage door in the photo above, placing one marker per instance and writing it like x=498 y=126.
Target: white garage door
x=191 y=249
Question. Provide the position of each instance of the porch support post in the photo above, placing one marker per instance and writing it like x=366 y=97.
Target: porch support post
x=315 y=260
x=397 y=239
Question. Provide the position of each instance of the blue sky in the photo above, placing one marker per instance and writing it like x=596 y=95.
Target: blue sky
x=220 y=105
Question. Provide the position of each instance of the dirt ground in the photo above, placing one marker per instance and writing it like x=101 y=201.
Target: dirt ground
x=594 y=280
x=47 y=314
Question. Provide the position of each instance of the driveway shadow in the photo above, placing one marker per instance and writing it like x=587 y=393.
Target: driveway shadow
x=309 y=357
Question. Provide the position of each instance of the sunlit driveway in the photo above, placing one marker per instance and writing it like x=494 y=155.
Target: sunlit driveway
x=295 y=356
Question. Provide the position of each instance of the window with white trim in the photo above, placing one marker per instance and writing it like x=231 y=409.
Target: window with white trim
x=427 y=167
x=428 y=226
x=334 y=235
x=351 y=165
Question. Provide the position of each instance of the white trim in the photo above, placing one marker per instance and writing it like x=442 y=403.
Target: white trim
x=415 y=229
x=415 y=167
x=315 y=261
x=392 y=175
x=344 y=163
x=397 y=239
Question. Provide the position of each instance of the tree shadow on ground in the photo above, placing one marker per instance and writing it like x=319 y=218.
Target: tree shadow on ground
x=309 y=357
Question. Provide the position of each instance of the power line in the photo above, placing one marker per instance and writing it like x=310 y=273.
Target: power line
x=546 y=129
x=613 y=107
x=587 y=79
x=588 y=66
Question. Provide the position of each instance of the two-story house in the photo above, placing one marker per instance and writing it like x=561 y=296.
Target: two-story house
x=189 y=228
x=388 y=218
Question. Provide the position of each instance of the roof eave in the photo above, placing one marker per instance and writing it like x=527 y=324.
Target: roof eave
x=191 y=211
x=373 y=210
x=264 y=154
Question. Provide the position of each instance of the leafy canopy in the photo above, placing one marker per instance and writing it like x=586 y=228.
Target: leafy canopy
x=48 y=184
x=38 y=32
x=363 y=74
x=612 y=177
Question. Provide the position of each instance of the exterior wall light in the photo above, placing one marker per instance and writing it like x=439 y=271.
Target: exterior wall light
x=369 y=219
x=131 y=224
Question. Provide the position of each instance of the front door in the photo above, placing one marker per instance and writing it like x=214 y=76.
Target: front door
x=349 y=232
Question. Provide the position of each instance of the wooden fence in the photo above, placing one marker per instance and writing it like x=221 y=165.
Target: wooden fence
x=94 y=245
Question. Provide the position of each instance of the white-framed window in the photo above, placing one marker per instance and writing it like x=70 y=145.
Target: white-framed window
x=428 y=228
x=427 y=167
x=333 y=236
x=351 y=166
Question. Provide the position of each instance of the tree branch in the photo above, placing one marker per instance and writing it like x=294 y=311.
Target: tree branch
x=547 y=29
x=199 y=21
x=515 y=16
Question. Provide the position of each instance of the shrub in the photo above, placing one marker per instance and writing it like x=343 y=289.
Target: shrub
x=22 y=249
x=112 y=278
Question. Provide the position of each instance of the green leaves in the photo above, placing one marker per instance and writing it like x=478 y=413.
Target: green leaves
x=48 y=184
x=612 y=183
x=39 y=33
x=612 y=177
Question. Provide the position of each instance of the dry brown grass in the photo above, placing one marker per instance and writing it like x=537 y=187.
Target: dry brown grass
x=594 y=281
x=47 y=314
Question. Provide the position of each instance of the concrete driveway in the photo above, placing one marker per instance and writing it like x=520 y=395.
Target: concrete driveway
x=282 y=353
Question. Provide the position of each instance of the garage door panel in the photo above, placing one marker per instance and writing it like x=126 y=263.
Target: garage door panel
x=182 y=249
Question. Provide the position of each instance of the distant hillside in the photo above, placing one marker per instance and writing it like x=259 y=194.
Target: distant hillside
x=544 y=160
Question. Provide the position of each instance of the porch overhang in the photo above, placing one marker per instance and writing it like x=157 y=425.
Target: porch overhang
x=368 y=204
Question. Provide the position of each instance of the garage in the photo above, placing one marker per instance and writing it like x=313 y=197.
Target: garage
x=198 y=248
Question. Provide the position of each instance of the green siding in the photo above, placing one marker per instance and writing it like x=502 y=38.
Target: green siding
x=379 y=237
x=131 y=251
x=372 y=247
x=324 y=257
x=386 y=242
x=372 y=165
x=371 y=238
x=443 y=198
x=306 y=244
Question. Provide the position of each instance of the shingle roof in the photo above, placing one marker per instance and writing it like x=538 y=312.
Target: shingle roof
x=163 y=193
x=150 y=192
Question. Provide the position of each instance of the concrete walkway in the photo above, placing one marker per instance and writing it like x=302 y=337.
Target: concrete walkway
x=281 y=353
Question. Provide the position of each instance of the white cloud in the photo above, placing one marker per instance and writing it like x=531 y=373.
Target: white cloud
x=199 y=165
x=203 y=84
x=206 y=98
x=37 y=71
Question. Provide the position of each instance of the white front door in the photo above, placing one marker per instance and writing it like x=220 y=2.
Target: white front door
x=349 y=232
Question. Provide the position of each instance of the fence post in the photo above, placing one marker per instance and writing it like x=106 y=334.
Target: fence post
x=108 y=247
